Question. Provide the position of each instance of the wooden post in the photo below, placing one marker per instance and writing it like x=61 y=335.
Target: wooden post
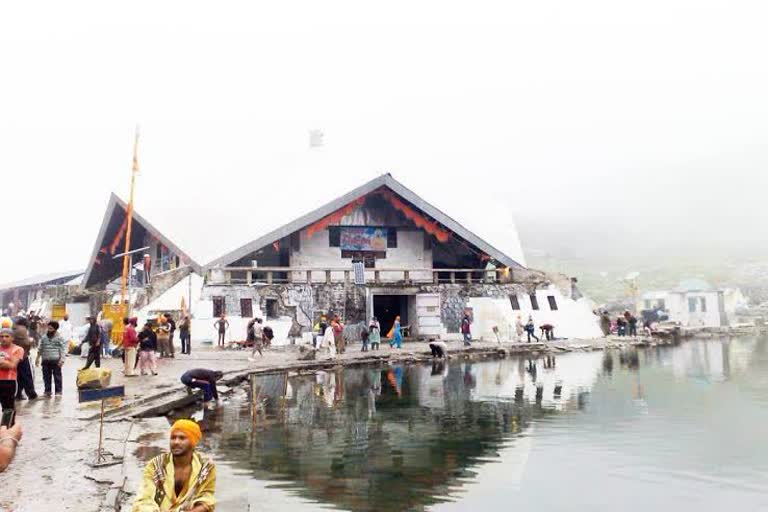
x=249 y=277
x=407 y=276
x=328 y=277
x=269 y=277
x=453 y=277
x=289 y=276
x=346 y=277
x=469 y=277
x=228 y=277
x=309 y=277
x=435 y=277
x=377 y=276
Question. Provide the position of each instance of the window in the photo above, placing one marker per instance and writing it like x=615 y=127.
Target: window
x=534 y=302
x=271 y=308
x=647 y=304
x=703 y=304
x=552 y=302
x=692 y=305
x=662 y=304
x=391 y=238
x=334 y=236
x=515 y=302
x=219 y=307
x=246 y=308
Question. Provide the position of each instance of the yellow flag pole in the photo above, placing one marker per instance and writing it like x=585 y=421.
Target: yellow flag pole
x=127 y=258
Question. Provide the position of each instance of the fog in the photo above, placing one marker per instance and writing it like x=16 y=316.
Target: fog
x=604 y=130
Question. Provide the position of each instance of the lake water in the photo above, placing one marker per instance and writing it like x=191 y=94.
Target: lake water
x=669 y=428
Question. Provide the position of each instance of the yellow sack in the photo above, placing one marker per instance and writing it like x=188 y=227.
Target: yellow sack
x=93 y=378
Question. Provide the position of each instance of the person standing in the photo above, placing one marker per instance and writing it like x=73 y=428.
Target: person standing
x=53 y=352
x=93 y=338
x=632 y=323
x=24 y=379
x=338 y=334
x=106 y=335
x=172 y=324
x=163 y=337
x=203 y=379
x=10 y=356
x=256 y=332
x=147 y=347
x=621 y=326
x=397 y=337
x=183 y=479
x=34 y=327
x=222 y=325
x=364 y=334
x=605 y=323
x=65 y=328
x=130 y=344
x=519 y=329
x=466 y=331
x=374 y=334
x=185 y=333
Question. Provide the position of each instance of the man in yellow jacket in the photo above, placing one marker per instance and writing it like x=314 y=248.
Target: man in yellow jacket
x=181 y=481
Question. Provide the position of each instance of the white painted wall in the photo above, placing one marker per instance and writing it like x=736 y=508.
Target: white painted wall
x=315 y=252
x=572 y=319
x=678 y=308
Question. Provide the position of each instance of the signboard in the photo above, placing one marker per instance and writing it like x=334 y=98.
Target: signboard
x=116 y=313
x=93 y=395
x=58 y=311
x=359 y=268
x=363 y=239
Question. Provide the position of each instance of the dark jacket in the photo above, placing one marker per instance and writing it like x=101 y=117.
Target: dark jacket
x=93 y=337
x=21 y=338
x=201 y=374
x=147 y=340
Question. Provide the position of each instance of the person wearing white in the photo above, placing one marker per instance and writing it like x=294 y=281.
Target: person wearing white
x=329 y=341
x=65 y=328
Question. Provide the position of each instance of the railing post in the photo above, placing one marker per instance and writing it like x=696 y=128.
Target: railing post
x=289 y=277
x=328 y=277
x=269 y=277
x=453 y=277
x=249 y=277
x=407 y=276
x=469 y=277
x=435 y=277
x=309 y=277
x=346 y=277
x=377 y=276
x=228 y=277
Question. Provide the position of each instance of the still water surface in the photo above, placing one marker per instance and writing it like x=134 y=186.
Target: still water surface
x=665 y=428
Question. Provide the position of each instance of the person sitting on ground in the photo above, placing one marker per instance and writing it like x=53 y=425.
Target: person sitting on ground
x=182 y=480
x=530 y=330
x=438 y=348
x=9 y=440
x=203 y=379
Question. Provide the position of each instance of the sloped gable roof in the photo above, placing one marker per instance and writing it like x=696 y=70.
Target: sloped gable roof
x=114 y=203
x=385 y=180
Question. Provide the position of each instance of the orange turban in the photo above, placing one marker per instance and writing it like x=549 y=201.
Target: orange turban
x=190 y=429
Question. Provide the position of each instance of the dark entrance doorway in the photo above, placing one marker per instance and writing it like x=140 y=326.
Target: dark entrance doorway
x=387 y=307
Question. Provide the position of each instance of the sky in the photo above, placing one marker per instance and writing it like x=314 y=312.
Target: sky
x=649 y=119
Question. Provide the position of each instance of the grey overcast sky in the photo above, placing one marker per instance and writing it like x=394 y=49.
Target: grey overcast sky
x=633 y=113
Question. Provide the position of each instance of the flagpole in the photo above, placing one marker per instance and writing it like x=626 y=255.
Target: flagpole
x=129 y=214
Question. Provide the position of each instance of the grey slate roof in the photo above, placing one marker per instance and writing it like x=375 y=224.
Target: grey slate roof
x=41 y=279
x=385 y=180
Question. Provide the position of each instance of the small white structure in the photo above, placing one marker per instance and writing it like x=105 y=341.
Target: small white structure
x=694 y=303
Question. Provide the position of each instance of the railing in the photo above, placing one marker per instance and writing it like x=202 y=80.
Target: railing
x=304 y=275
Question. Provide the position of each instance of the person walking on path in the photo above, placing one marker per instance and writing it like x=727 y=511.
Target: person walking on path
x=466 y=331
x=163 y=337
x=185 y=333
x=130 y=345
x=10 y=356
x=147 y=347
x=24 y=379
x=374 y=334
x=172 y=324
x=338 y=334
x=530 y=329
x=203 y=379
x=256 y=333
x=397 y=337
x=182 y=480
x=52 y=353
x=222 y=325
x=93 y=338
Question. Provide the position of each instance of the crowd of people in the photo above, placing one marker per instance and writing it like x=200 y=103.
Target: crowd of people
x=623 y=325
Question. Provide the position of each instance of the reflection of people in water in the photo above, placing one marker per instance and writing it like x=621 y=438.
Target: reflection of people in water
x=607 y=362
x=395 y=379
x=532 y=369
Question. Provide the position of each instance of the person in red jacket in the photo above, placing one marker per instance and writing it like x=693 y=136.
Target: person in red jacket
x=130 y=342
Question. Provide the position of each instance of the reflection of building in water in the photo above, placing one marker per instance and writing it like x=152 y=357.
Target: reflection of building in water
x=706 y=360
x=399 y=438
